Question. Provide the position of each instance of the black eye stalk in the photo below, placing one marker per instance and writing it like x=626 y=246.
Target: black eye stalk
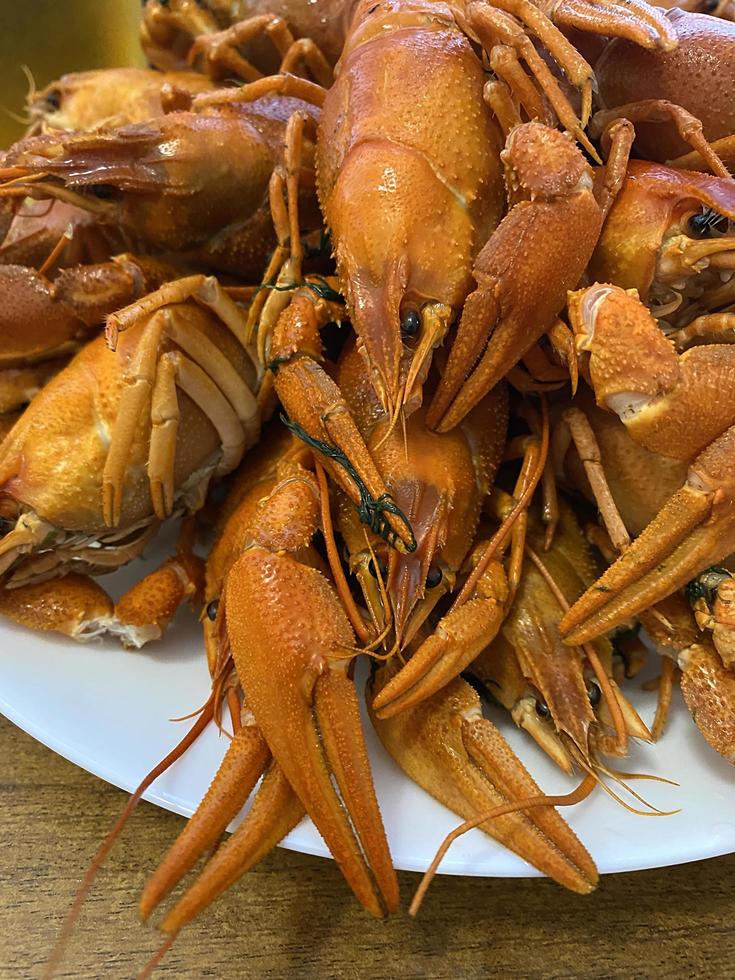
x=212 y=609
x=594 y=694
x=382 y=569
x=708 y=224
x=434 y=577
x=706 y=584
x=411 y=324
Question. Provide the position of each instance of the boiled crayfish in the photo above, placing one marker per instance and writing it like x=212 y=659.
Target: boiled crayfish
x=425 y=222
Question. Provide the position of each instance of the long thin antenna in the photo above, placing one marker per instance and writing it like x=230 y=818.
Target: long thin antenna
x=569 y=799
x=106 y=846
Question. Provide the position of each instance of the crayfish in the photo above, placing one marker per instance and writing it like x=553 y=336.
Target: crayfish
x=423 y=332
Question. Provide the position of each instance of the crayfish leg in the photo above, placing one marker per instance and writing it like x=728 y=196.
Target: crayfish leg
x=640 y=22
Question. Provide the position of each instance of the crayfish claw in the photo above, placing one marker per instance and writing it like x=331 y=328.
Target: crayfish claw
x=284 y=616
x=709 y=691
x=682 y=539
x=245 y=759
x=275 y=812
x=460 y=758
x=457 y=640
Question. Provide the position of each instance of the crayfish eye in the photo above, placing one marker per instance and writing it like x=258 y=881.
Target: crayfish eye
x=212 y=609
x=53 y=100
x=708 y=223
x=594 y=694
x=434 y=577
x=542 y=709
x=104 y=192
x=705 y=585
x=411 y=324
x=382 y=569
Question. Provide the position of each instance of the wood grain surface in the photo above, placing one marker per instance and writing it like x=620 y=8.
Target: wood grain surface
x=293 y=916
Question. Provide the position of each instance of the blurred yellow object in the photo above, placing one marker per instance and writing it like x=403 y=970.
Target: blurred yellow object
x=51 y=37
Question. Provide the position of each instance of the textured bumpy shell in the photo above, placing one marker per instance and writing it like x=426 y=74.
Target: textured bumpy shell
x=653 y=200
x=108 y=97
x=52 y=462
x=709 y=691
x=464 y=762
x=409 y=173
x=696 y=75
x=286 y=624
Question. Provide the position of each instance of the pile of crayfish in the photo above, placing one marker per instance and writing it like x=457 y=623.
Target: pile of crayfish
x=417 y=317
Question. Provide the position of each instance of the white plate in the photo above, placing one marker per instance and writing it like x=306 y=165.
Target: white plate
x=108 y=711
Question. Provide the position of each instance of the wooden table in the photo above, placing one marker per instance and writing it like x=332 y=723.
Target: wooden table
x=293 y=916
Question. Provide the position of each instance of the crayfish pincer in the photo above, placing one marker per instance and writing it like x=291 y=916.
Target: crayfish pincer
x=292 y=645
x=678 y=405
x=524 y=271
x=446 y=746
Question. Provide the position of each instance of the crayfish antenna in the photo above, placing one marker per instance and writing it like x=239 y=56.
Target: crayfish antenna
x=107 y=844
x=505 y=809
x=596 y=769
x=153 y=962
